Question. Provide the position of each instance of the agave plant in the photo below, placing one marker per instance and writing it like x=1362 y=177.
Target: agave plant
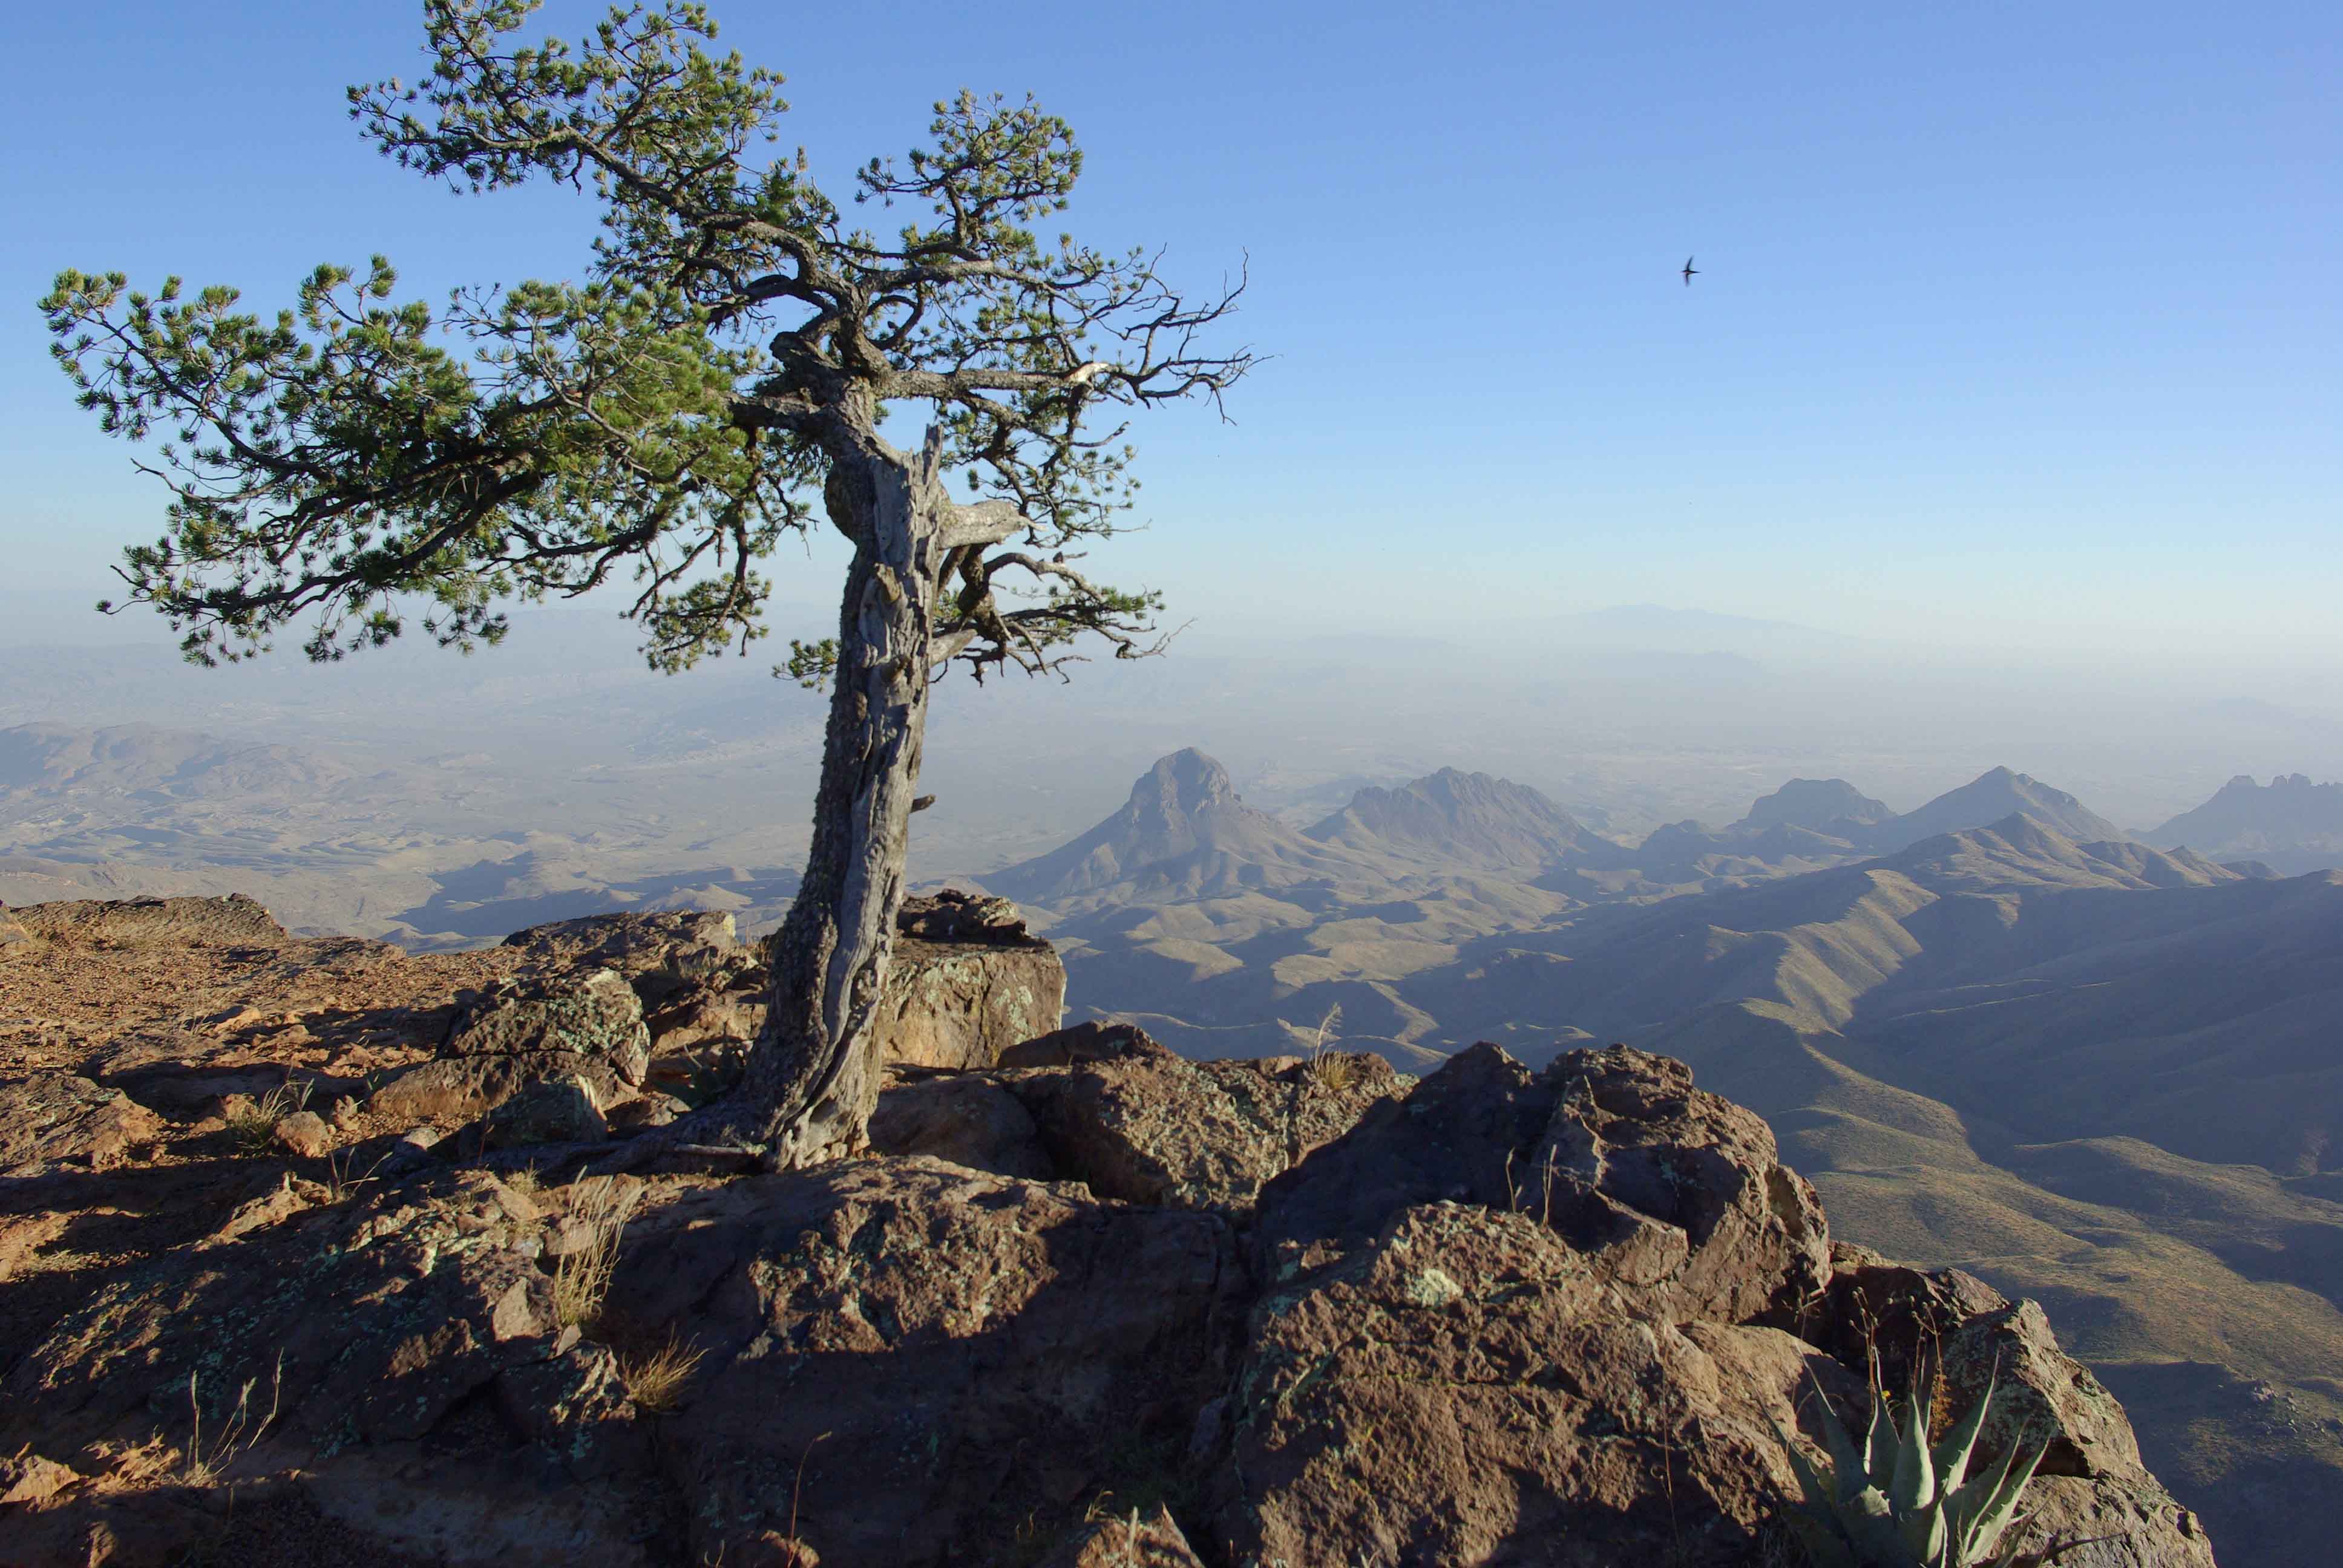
x=1898 y=1500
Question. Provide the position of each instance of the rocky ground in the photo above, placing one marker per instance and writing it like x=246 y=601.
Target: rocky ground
x=305 y=1258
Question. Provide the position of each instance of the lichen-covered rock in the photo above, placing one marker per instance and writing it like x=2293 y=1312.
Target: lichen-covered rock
x=553 y=1111
x=596 y=1014
x=456 y=1090
x=361 y=1323
x=575 y=1405
x=977 y=1350
x=683 y=944
x=1133 y=1120
x=233 y=921
x=1674 y=1192
x=60 y=1119
x=962 y=1119
x=966 y=982
x=1467 y=1387
x=304 y=1134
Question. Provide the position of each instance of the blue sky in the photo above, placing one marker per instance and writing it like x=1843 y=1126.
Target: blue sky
x=2017 y=325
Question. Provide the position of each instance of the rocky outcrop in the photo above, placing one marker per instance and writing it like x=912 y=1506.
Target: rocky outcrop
x=912 y=1357
x=595 y=1014
x=1465 y=1382
x=233 y=921
x=1134 y=1122
x=1669 y=1188
x=1094 y=1305
x=57 y=1119
x=967 y=983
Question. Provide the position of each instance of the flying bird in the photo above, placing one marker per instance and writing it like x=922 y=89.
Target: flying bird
x=1688 y=272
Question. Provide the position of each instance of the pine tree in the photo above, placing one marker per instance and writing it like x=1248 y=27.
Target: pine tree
x=724 y=371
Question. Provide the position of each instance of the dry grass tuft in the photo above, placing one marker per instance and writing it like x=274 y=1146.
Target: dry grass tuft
x=255 y=1126
x=202 y=1465
x=1337 y=1072
x=582 y=1277
x=656 y=1379
x=343 y=1178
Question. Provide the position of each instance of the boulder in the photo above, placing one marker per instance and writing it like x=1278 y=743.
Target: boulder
x=304 y=1134
x=563 y=1109
x=962 y=1121
x=1457 y=1136
x=1676 y=1191
x=61 y=1119
x=653 y=949
x=12 y=931
x=1467 y=1387
x=235 y=920
x=456 y=1090
x=967 y=982
x=595 y=1014
x=1133 y=1120
x=942 y=1355
x=1673 y=1191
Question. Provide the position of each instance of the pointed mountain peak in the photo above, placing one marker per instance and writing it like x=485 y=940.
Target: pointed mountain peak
x=1186 y=782
x=1992 y=796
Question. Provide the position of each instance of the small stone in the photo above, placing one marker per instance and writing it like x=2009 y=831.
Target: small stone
x=304 y=1133
x=29 y=1478
x=410 y=1152
x=345 y=1111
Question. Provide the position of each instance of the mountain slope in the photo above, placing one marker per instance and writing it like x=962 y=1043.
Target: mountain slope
x=1462 y=818
x=1989 y=798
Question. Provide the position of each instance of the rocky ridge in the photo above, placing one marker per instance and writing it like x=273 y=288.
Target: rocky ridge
x=1085 y=1301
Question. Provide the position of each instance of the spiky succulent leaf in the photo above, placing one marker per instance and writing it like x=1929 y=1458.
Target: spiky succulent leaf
x=1915 y=1483
x=1952 y=1454
x=1879 y=1440
x=1928 y=1512
x=1869 y=1521
x=1819 y=1492
x=2000 y=1510
x=1923 y=1530
x=1825 y=1547
x=1847 y=1458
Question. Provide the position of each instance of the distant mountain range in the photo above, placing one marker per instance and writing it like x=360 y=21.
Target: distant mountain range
x=2291 y=824
x=1999 y=1033
x=1452 y=818
x=426 y=853
x=163 y=764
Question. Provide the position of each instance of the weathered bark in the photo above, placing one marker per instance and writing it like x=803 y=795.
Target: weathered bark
x=814 y=1074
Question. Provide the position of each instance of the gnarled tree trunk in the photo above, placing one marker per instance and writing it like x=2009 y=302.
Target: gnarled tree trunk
x=813 y=1076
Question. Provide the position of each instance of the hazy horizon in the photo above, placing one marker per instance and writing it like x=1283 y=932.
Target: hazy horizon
x=2012 y=338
